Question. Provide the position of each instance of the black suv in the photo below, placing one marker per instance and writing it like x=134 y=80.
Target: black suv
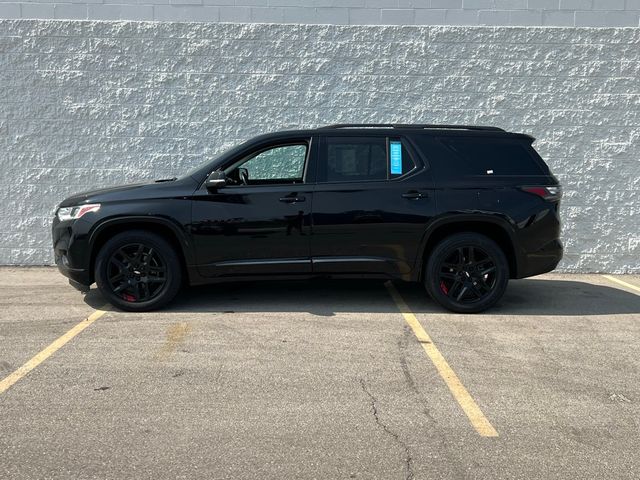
x=460 y=208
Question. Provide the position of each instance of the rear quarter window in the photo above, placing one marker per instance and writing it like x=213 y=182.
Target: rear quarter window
x=491 y=156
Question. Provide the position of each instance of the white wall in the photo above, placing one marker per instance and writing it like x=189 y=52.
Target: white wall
x=86 y=104
x=590 y=13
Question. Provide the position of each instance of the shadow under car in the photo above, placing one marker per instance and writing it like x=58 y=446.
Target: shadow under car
x=326 y=297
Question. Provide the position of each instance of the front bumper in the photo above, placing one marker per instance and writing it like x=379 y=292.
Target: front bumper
x=70 y=252
x=81 y=287
x=78 y=277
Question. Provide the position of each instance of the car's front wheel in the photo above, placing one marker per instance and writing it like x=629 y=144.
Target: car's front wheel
x=466 y=273
x=138 y=271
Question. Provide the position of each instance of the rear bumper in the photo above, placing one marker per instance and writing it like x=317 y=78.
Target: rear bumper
x=541 y=261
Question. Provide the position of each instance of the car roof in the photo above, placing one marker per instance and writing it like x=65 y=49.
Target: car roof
x=404 y=129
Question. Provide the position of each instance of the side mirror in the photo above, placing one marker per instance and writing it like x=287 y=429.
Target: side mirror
x=216 y=180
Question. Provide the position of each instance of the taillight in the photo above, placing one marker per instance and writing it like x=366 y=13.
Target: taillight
x=550 y=193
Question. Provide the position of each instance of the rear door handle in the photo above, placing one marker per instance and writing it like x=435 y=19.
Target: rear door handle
x=414 y=194
x=292 y=199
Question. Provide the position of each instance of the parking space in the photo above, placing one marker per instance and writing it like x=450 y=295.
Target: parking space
x=322 y=379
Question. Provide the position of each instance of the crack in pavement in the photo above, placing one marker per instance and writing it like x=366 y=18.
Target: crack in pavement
x=449 y=450
x=408 y=459
x=403 y=342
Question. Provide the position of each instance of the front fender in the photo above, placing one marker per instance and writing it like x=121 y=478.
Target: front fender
x=138 y=221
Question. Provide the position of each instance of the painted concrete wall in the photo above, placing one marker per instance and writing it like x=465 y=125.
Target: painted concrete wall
x=590 y=13
x=86 y=104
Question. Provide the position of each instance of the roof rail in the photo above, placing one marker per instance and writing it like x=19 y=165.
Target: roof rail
x=413 y=125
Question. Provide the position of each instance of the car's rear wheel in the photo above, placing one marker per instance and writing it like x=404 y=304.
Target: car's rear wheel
x=138 y=271
x=466 y=273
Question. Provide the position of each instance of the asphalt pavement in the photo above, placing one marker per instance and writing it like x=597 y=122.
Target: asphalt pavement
x=320 y=380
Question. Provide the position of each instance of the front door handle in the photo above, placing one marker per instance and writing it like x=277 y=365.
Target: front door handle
x=414 y=194
x=292 y=199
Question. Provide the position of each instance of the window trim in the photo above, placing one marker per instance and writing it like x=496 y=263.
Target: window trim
x=307 y=142
x=417 y=164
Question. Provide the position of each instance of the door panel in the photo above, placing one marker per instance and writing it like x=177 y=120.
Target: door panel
x=247 y=230
x=368 y=226
x=260 y=223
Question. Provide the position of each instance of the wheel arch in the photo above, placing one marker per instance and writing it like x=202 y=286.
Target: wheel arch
x=496 y=229
x=160 y=226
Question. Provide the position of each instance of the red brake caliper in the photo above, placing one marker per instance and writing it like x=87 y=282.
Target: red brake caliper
x=444 y=288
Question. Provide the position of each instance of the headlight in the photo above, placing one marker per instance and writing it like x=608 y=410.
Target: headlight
x=73 y=213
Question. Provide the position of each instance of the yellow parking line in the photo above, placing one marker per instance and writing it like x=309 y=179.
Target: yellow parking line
x=57 y=344
x=459 y=392
x=622 y=282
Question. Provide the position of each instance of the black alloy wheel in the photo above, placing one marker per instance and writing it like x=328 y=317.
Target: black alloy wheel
x=138 y=271
x=466 y=273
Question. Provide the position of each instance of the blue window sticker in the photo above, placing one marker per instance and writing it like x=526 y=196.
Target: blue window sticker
x=396 y=158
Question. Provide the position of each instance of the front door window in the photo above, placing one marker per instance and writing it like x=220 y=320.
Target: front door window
x=277 y=165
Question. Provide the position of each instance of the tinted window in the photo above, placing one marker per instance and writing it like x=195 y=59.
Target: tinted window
x=282 y=164
x=358 y=159
x=480 y=156
x=349 y=159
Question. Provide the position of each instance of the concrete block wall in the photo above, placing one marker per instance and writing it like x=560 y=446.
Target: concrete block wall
x=85 y=104
x=587 y=13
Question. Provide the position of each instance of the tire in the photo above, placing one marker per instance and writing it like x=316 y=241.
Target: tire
x=466 y=273
x=138 y=271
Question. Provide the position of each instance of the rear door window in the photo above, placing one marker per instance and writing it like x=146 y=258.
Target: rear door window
x=491 y=156
x=362 y=159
